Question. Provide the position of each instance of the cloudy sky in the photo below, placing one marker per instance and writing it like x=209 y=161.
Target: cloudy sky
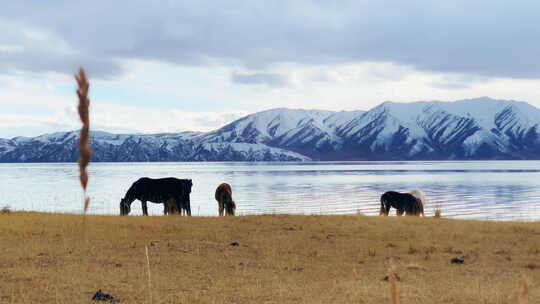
x=196 y=65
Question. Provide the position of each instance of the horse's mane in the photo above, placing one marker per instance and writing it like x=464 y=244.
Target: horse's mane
x=419 y=195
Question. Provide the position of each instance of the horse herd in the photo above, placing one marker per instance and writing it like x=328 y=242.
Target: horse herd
x=174 y=193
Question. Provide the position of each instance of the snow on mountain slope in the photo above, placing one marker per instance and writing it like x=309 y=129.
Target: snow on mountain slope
x=468 y=128
x=6 y=145
x=472 y=128
x=485 y=109
x=244 y=152
x=449 y=132
x=62 y=147
x=265 y=126
x=378 y=132
x=480 y=128
x=484 y=123
x=341 y=118
x=308 y=132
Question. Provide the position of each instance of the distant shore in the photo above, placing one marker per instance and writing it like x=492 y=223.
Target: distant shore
x=50 y=258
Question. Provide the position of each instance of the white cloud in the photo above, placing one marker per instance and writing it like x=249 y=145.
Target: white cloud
x=11 y=48
x=112 y=117
x=191 y=65
x=272 y=80
x=485 y=37
x=158 y=97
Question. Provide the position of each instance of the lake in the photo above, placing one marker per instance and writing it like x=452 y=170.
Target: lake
x=492 y=190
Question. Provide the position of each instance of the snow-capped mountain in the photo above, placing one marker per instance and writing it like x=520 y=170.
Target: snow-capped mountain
x=481 y=128
x=309 y=132
x=62 y=147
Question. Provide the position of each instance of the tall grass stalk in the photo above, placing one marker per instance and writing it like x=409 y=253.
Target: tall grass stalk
x=149 y=277
x=85 y=153
x=522 y=296
x=394 y=296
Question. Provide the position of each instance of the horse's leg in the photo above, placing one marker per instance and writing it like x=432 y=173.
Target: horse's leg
x=174 y=205
x=183 y=207
x=188 y=208
x=144 y=208
x=166 y=209
x=230 y=208
x=416 y=211
x=384 y=210
x=406 y=211
x=169 y=207
x=399 y=212
x=385 y=206
x=387 y=209
x=221 y=207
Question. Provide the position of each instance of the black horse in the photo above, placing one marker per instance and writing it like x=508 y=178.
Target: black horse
x=172 y=192
x=403 y=202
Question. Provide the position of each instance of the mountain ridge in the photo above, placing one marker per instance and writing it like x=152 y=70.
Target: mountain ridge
x=478 y=128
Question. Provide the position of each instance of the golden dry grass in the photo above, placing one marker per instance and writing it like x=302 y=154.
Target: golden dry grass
x=279 y=259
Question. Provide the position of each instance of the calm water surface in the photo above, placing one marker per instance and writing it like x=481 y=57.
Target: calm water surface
x=494 y=190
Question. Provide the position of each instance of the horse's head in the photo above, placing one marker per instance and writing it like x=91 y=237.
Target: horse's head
x=125 y=207
x=188 y=184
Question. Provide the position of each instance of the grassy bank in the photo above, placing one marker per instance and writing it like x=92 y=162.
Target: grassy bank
x=53 y=258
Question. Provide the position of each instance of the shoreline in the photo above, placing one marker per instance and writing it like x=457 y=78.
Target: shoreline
x=430 y=216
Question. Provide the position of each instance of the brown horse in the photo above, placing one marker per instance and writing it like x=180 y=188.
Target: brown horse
x=224 y=198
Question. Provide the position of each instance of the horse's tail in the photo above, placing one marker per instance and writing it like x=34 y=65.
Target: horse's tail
x=421 y=197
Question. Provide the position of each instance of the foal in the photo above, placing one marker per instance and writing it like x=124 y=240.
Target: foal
x=224 y=198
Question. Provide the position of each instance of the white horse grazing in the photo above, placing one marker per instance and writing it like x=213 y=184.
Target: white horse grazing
x=421 y=197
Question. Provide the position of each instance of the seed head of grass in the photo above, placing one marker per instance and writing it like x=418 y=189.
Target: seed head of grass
x=392 y=285
x=5 y=210
x=522 y=296
x=85 y=153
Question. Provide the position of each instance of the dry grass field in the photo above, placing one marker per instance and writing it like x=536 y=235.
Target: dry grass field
x=54 y=258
